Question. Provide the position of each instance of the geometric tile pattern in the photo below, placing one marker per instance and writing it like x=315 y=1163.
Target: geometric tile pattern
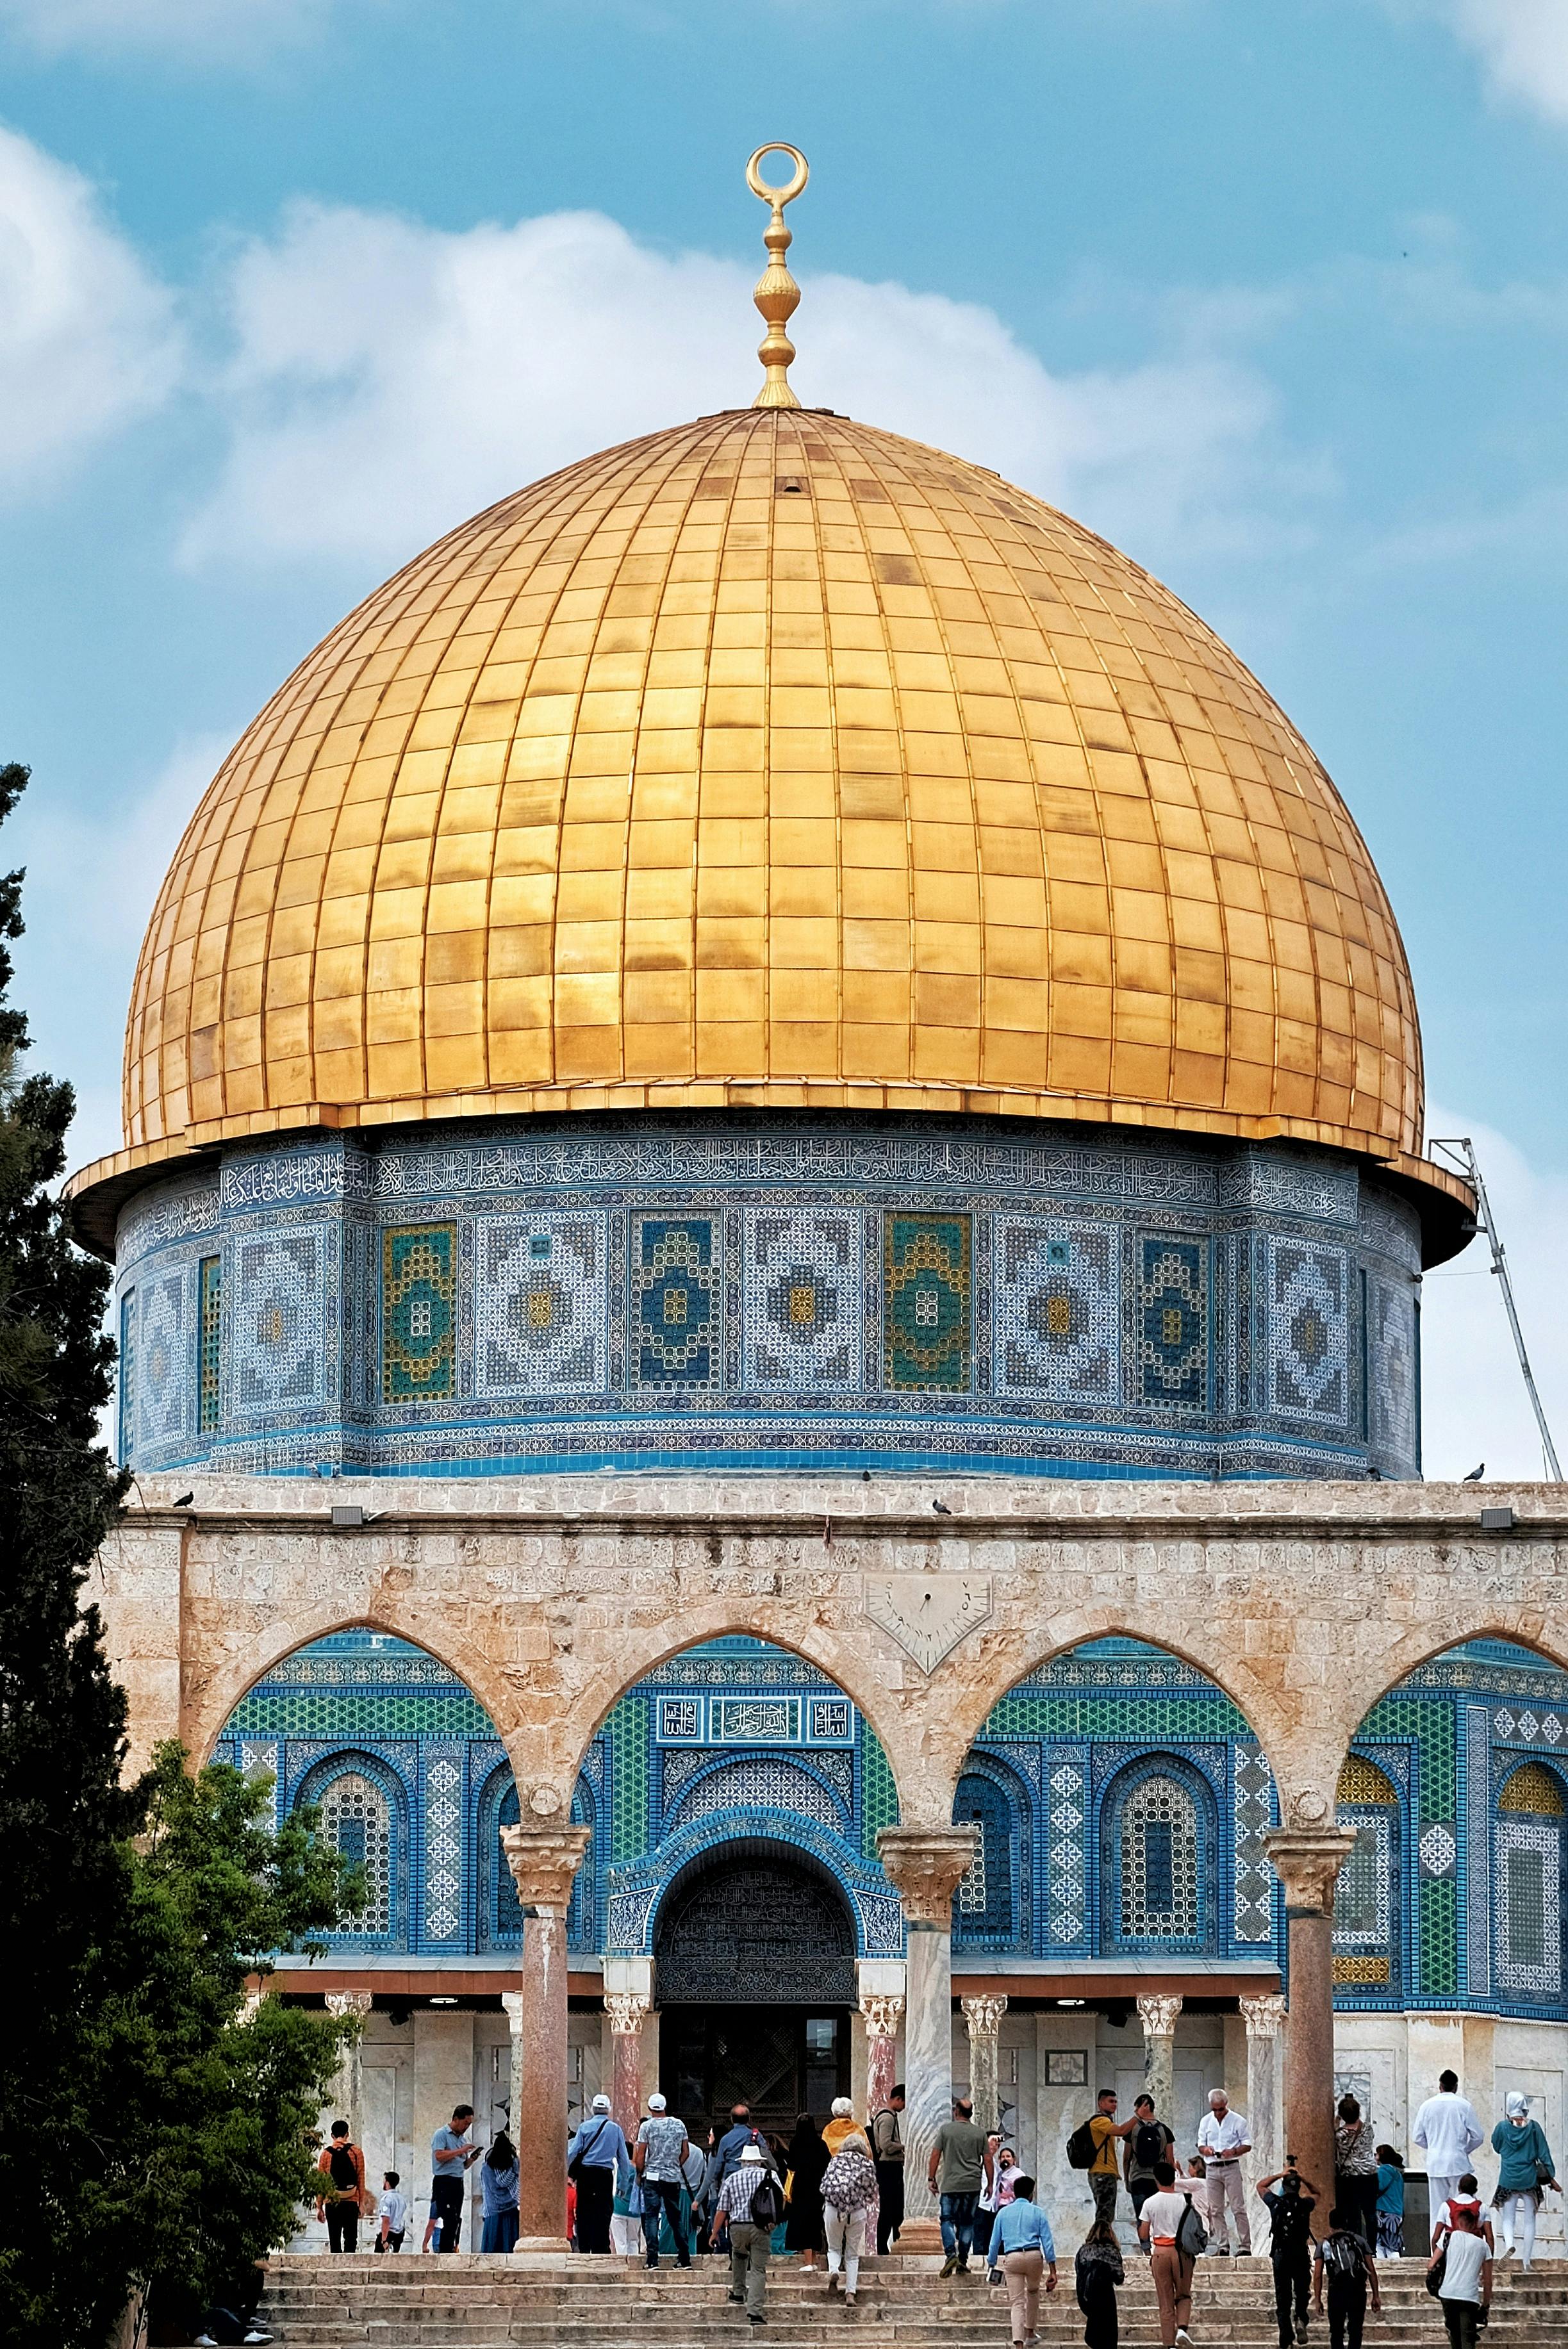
x=1439 y=1849
x=802 y=1306
x=166 y=1365
x=1529 y=1906
x=676 y=1283
x=126 y=1445
x=541 y=1304
x=1173 y=1321
x=1478 y=1851
x=419 y=1312
x=1056 y=1309
x=443 y=1846
x=278 y=1326
x=761 y=1786
x=1065 y=1878
x=1255 y=1875
x=1391 y=1368
x=1309 y=1331
x=926 y=1301
x=208 y=1343
x=1159 y=1863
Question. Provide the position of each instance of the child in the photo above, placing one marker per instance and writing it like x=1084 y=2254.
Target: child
x=1467 y=2197
x=393 y=2213
x=432 y=2232
x=1344 y=2260
x=1390 y=2203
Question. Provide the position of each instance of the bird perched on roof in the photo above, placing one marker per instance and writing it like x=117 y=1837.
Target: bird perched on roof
x=1475 y=1474
x=942 y=1509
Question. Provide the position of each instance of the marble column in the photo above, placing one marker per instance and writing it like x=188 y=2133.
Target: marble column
x=1157 y=2014
x=883 y=2013
x=512 y=2006
x=983 y=2015
x=1263 y=2017
x=544 y=1861
x=628 y=2011
x=350 y=2081
x=924 y=1865
x=1307 y=1861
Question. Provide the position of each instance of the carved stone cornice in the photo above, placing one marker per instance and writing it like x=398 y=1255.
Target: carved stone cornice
x=983 y=2015
x=1265 y=2014
x=628 y=2011
x=924 y=1865
x=1158 y=2012
x=349 y=2002
x=1307 y=1861
x=543 y=1863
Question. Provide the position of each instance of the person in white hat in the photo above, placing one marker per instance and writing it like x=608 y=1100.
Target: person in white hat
x=595 y=2158
x=750 y=2204
x=659 y=2156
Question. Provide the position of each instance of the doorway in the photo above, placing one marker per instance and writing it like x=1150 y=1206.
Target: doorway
x=780 y=2060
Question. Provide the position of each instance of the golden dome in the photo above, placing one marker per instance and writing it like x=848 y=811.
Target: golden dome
x=772 y=760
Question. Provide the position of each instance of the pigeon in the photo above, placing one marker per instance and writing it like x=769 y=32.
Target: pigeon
x=1475 y=1474
x=942 y=1509
x=184 y=1501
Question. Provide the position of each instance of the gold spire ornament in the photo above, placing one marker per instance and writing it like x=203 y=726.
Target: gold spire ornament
x=776 y=292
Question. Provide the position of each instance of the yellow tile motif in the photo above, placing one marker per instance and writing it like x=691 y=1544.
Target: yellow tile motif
x=773 y=758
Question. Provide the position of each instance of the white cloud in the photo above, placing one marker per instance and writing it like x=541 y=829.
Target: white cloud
x=386 y=379
x=89 y=891
x=183 y=29
x=87 y=339
x=1524 y=46
x=1474 y=1406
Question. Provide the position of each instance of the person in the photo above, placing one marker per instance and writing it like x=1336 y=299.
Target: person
x=1345 y=2261
x=391 y=2213
x=998 y=2189
x=1466 y=2286
x=1289 y=2246
x=1390 y=2203
x=887 y=2154
x=805 y=2162
x=750 y=2202
x=1169 y=2264
x=658 y=2157
x=1527 y=2167
x=1356 y=2169
x=1222 y=2140
x=231 y=2318
x=849 y=2190
x=1448 y=2133
x=962 y=2157
x=452 y=2155
x=1466 y=2196
x=1097 y=2269
x=1150 y=2142
x=1022 y=2245
x=342 y=2197
x=595 y=2158
x=741 y=2132
x=1106 y=2130
x=498 y=2196
x=842 y=2125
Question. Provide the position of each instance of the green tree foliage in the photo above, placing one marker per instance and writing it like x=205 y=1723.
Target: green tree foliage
x=149 y=2125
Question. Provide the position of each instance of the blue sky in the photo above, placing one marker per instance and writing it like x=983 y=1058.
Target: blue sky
x=1275 y=298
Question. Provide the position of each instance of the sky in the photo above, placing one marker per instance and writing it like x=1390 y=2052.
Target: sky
x=1276 y=298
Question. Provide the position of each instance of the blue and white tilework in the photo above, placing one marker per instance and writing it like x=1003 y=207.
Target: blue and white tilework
x=167 y=1358
x=541 y=1304
x=651 y=1293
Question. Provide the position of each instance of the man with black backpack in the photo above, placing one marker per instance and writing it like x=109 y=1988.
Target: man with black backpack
x=750 y=2204
x=1093 y=2147
x=1345 y=2261
x=341 y=2198
x=1289 y=2246
x=1150 y=2144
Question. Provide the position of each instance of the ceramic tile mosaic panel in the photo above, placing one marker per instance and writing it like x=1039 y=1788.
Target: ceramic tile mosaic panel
x=676 y=1324
x=926 y=1303
x=165 y=1366
x=541 y=1304
x=1309 y=1331
x=278 y=1325
x=210 y=1343
x=419 y=1312
x=803 y=1300
x=1173 y=1321
x=1056 y=1309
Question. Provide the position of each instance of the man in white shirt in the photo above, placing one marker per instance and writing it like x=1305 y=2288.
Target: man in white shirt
x=1223 y=2139
x=1466 y=2288
x=1448 y=2133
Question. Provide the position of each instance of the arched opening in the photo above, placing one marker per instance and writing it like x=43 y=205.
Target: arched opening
x=754 y=1955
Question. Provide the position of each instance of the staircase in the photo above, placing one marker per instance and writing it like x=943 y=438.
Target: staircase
x=477 y=2302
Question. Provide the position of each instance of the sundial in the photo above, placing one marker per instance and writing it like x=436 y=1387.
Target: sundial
x=928 y=1614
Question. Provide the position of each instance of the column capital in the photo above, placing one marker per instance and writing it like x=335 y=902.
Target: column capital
x=983 y=2013
x=1264 y=2014
x=1307 y=1861
x=628 y=2011
x=1158 y=2012
x=543 y=1863
x=512 y=2005
x=924 y=1865
x=349 y=2002
x=883 y=2014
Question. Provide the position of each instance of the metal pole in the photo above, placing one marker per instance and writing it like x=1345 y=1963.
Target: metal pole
x=1464 y=1147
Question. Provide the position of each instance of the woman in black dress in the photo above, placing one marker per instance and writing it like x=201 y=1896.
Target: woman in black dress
x=806 y=2158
